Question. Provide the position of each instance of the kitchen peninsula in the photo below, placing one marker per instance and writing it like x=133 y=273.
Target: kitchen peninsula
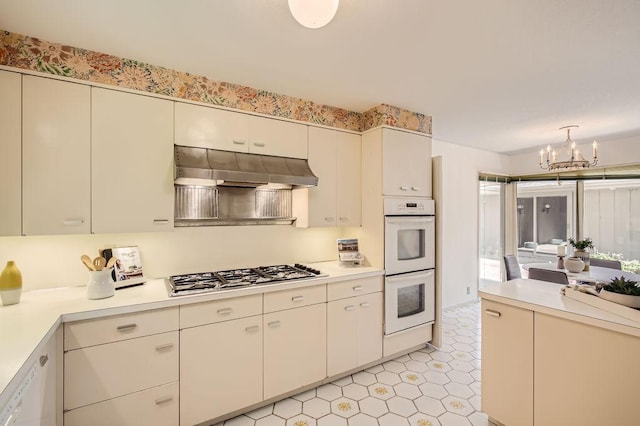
x=548 y=359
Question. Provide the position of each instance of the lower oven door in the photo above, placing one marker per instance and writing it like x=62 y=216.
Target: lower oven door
x=409 y=300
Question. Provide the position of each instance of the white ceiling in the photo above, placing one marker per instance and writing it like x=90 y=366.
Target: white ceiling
x=501 y=75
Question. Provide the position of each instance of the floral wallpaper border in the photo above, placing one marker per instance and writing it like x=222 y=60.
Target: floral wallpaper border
x=30 y=53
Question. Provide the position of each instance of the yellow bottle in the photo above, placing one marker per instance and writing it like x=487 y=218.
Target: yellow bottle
x=10 y=284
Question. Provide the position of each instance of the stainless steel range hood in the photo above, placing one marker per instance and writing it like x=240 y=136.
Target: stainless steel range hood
x=203 y=166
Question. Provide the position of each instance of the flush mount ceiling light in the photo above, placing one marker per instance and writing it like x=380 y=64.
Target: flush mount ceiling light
x=313 y=13
x=576 y=159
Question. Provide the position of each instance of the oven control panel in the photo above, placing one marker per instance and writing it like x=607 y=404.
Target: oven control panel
x=409 y=206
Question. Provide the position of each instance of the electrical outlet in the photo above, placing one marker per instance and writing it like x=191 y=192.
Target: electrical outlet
x=468 y=290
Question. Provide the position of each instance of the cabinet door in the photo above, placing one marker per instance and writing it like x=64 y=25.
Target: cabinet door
x=214 y=128
x=294 y=349
x=370 y=331
x=275 y=137
x=584 y=375
x=56 y=150
x=507 y=363
x=406 y=163
x=342 y=335
x=157 y=406
x=10 y=152
x=220 y=369
x=322 y=160
x=349 y=178
x=132 y=162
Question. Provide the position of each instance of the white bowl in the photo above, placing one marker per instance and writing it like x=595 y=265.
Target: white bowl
x=622 y=299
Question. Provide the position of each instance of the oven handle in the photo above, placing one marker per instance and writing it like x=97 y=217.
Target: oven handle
x=408 y=277
x=409 y=220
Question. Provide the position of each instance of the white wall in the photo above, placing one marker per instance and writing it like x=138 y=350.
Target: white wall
x=460 y=168
x=611 y=152
x=54 y=261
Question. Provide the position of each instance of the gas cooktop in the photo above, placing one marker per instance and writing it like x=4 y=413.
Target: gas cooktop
x=205 y=282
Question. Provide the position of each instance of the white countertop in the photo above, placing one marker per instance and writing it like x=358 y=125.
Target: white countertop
x=27 y=326
x=545 y=297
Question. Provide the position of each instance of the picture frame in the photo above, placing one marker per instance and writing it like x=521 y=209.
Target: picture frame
x=127 y=270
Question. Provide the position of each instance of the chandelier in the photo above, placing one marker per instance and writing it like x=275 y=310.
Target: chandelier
x=576 y=159
x=313 y=13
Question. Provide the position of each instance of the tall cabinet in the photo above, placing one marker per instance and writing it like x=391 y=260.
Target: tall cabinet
x=10 y=152
x=56 y=150
x=131 y=162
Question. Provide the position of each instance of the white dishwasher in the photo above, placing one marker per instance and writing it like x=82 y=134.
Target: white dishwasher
x=33 y=401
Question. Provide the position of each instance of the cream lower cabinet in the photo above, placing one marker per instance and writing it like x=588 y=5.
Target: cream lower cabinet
x=220 y=363
x=507 y=364
x=583 y=375
x=56 y=157
x=132 y=162
x=10 y=152
x=335 y=157
x=354 y=332
x=354 y=323
x=117 y=371
x=294 y=348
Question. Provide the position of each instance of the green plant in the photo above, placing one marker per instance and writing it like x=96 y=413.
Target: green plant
x=581 y=244
x=623 y=286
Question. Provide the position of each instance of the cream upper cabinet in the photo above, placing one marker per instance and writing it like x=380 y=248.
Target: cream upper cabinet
x=10 y=152
x=335 y=157
x=507 y=363
x=132 y=162
x=276 y=137
x=406 y=163
x=56 y=157
x=294 y=348
x=213 y=128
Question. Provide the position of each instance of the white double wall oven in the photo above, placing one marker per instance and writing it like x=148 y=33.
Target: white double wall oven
x=409 y=259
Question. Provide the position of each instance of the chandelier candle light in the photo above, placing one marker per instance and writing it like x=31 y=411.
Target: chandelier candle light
x=576 y=159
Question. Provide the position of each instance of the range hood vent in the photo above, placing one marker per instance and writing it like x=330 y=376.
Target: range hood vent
x=203 y=166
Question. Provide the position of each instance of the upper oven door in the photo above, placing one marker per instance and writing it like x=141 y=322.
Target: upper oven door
x=409 y=243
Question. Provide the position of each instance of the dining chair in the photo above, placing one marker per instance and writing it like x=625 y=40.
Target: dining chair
x=603 y=263
x=550 y=275
x=512 y=267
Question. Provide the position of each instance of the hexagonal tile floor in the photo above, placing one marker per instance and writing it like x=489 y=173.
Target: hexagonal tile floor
x=429 y=387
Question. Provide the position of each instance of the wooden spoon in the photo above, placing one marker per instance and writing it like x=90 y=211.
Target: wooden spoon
x=99 y=263
x=86 y=260
x=111 y=262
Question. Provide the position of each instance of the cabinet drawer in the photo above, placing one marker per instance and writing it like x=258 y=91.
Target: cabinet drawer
x=295 y=298
x=157 y=406
x=220 y=310
x=107 y=371
x=352 y=288
x=121 y=327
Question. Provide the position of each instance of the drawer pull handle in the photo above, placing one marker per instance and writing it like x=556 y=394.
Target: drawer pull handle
x=165 y=346
x=297 y=298
x=274 y=324
x=357 y=288
x=43 y=360
x=164 y=399
x=127 y=327
x=224 y=311
x=328 y=219
x=349 y=308
x=259 y=144
x=493 y=313
x=403 y=188
x=72 y=222
x=239 y=142
x=252 y=329
x=364 y=305
x=415 y=188
x=160 y=221
x=344 y=219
